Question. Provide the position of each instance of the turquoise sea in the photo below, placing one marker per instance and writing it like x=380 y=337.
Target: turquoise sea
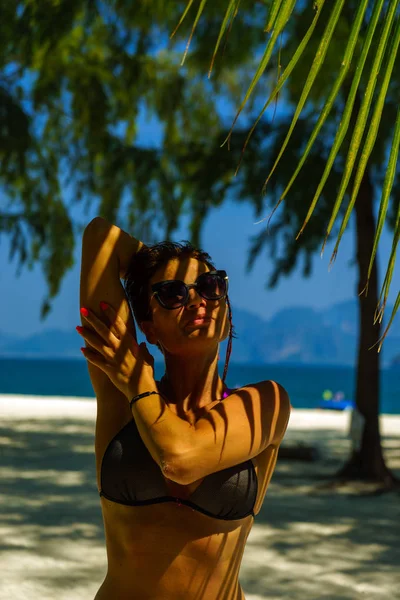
x=305 y=384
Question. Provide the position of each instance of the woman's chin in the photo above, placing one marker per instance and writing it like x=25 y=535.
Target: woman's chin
x=198 y=343
x=195 y=340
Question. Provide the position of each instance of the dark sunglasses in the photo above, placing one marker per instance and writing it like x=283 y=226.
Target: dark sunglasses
x=174 y=293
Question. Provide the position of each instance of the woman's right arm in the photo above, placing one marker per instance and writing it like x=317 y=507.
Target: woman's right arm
x=106 y=254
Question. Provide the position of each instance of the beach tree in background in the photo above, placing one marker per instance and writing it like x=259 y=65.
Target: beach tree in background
x=75 y=79
x=76 y=76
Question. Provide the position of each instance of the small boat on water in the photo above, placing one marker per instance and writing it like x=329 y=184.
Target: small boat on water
x=336 y=401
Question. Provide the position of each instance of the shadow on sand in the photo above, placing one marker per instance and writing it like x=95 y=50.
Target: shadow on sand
x=308 y=542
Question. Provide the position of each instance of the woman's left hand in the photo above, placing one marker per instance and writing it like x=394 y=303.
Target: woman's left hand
x=129 y=365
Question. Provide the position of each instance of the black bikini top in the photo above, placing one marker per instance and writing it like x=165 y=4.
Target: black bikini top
x=130 y=476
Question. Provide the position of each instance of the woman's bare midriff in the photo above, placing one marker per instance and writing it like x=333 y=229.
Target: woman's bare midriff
x=170 y=552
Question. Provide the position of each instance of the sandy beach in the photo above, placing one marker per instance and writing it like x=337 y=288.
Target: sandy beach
x=309 y=541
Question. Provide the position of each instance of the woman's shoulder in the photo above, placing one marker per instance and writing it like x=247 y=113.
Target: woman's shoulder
x=267 y=390
x=267 y=386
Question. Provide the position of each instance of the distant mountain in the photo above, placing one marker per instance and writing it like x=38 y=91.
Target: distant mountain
x=299 y=335
x=5 y=339
x=303 y=335
x=51 y=342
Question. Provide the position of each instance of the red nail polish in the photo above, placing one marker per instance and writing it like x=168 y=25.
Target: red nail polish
x=84 y=312
x=83 y=350
x=79 y=328
x=103 y=305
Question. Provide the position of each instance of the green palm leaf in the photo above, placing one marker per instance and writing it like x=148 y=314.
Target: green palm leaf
x=282 y=18
x=385 y=40
x=273 y=13
x=201 y=8
x=389 y=274
x=285 y=75
x=362 y=118
x=345 y=120
x=185 y=12
x=315 y=67
x=387 y=187
x=395 y=309
x=231 y=11
x=372 y=133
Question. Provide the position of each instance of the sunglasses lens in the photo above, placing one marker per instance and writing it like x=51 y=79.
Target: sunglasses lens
x=212 y=287
x=172 y=294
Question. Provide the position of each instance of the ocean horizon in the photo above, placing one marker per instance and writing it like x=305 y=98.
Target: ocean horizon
x=60 y=376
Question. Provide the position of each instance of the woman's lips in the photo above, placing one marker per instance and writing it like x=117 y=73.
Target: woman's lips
x=199 y=321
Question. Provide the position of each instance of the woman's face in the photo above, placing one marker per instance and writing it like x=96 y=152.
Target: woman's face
x=175 y=330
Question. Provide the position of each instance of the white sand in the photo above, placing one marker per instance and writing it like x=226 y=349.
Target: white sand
x=309 y=541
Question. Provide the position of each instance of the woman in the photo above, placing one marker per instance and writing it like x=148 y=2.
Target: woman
x=182 y=464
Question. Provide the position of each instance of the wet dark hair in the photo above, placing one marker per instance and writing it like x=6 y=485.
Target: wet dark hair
x=146 y=262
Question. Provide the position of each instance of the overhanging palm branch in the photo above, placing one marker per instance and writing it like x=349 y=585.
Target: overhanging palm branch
x=377 y=56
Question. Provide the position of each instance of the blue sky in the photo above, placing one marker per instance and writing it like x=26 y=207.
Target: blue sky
x=226 y=234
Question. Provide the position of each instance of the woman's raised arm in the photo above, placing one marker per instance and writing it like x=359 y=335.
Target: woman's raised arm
x=125 y=245
x=106 y=253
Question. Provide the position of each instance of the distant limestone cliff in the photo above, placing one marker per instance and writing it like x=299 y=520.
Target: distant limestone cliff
x=296 y=335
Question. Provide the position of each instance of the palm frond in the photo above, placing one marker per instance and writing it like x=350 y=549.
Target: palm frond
x=229 y=16
x=273 y=13
x=315 y=67
x=362 y=117
x=286 y=74
x=201 y=8
x=394 y=311
x=282 y=18
x=389 y=273
x=385 y=41
x=387 y=187
x=345 y=120
x=372 y=133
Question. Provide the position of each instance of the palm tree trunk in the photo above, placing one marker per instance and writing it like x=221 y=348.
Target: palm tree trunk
x=366 y=461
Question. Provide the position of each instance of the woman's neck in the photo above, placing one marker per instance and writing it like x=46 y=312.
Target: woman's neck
x=191 y=383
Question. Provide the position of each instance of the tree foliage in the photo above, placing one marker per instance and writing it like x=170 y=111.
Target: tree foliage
x=340 y=61
x=75 y=75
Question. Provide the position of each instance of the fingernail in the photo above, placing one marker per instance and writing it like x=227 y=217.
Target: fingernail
x=103 y=305
x=84 y=312
x=79 y=328
x=83 y=350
